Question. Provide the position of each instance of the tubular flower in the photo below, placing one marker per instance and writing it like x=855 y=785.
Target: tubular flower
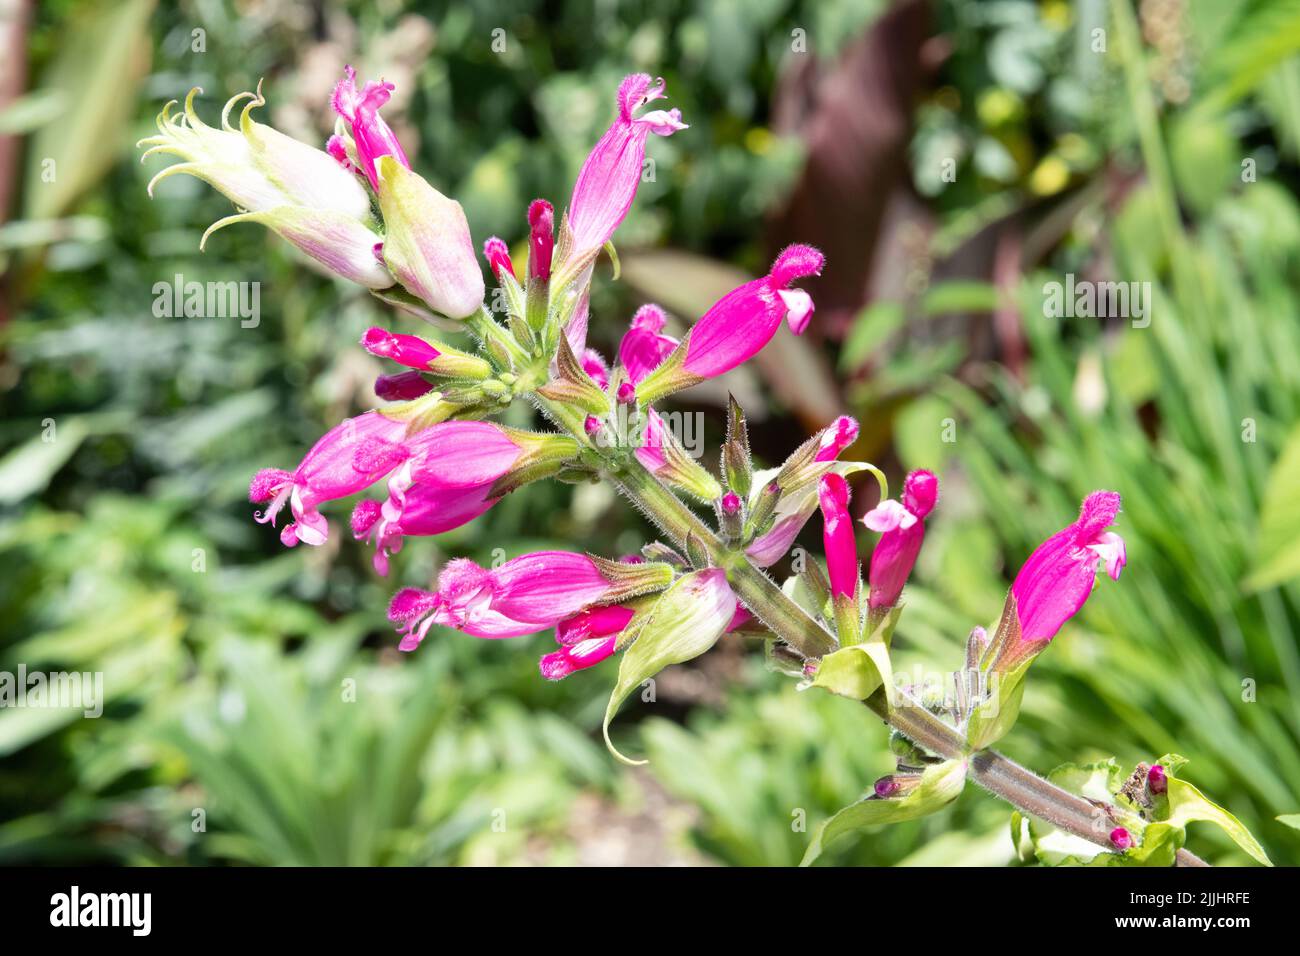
x=371 y=136
x=522 y=596
x=474 y=454
x=837 y=535
x=608 y=181
x=1058 y=577
x=414 y=352
x=585 y=639
x=740 y=324
x=643 y=347
x=349 y=458
x=299 y=192
x=902 y=528
x=414 y=510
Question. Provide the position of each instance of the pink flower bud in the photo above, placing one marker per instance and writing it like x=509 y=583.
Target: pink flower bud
x=541 y=238
x=409 y=350
x=497 y=253
x=842 y=433
x=837 y=535
x=731 y=503
x=402 y=387
x=1157 y=779
x=643 y=346
x=1121 y=839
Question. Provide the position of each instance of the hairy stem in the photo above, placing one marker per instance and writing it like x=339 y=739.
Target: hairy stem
x=1001 y=776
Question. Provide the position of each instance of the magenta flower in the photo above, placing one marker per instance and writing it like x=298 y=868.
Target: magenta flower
x=402 y=387
x=522 y=596
x=497 y=253
x=585 y=639
x=1121 y=839
x=650 y=452
x=837 y=535
x=593 y=363
x=842 y=433
x=415 y=510
x=902 y=527
x=743 y=321
x=1058 y=577
x=643 y=348
x=465 y=454
x=409 y=350
x=609 y=178
x=371 y=136
x=541 y=239
x=349 y=458
x=1157 y=779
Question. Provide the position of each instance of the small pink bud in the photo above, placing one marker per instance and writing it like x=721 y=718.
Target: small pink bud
x=409 y=350
x=626 y=393
x=591 y=424
x=541 y=241
x=731 y=503
x=1157 y=780
x=402 y=386
x=887 y=787
x=1121 y=839
x=498 y=256
x=842 y=433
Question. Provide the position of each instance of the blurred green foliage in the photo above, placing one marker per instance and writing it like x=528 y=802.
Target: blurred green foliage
x=256 y=709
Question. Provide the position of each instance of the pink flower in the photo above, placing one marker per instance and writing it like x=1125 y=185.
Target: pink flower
x=349 y=458
x=837 y=535
x=497 y=253
x=608 y=181
x=593 y=363
x=466 y=454
x=739 y=324
x=541 y=238
x=902 y=531
x=585 y=639
x=415 y=510
x=1058 y=577
x=522 y=596
x=643 y=347
x=409 y=350
x=650 y=452
x=1121 y=839
x=371 y=135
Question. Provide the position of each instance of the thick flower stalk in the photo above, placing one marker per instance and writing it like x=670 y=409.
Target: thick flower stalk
x=445 y=463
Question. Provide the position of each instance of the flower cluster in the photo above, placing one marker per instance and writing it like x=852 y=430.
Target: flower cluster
x=359 y=209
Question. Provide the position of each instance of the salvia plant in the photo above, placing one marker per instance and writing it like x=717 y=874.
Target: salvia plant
x=359 y=210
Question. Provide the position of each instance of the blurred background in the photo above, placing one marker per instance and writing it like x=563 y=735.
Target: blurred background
x=950 y=157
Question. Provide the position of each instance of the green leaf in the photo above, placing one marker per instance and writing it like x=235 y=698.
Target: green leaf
x=684 y=623
x=991 y=720
x=1277 y=551
x=29 y=467
x=1291 y=820
x=939 y=786
x=1188 y=805
x=857 y=671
